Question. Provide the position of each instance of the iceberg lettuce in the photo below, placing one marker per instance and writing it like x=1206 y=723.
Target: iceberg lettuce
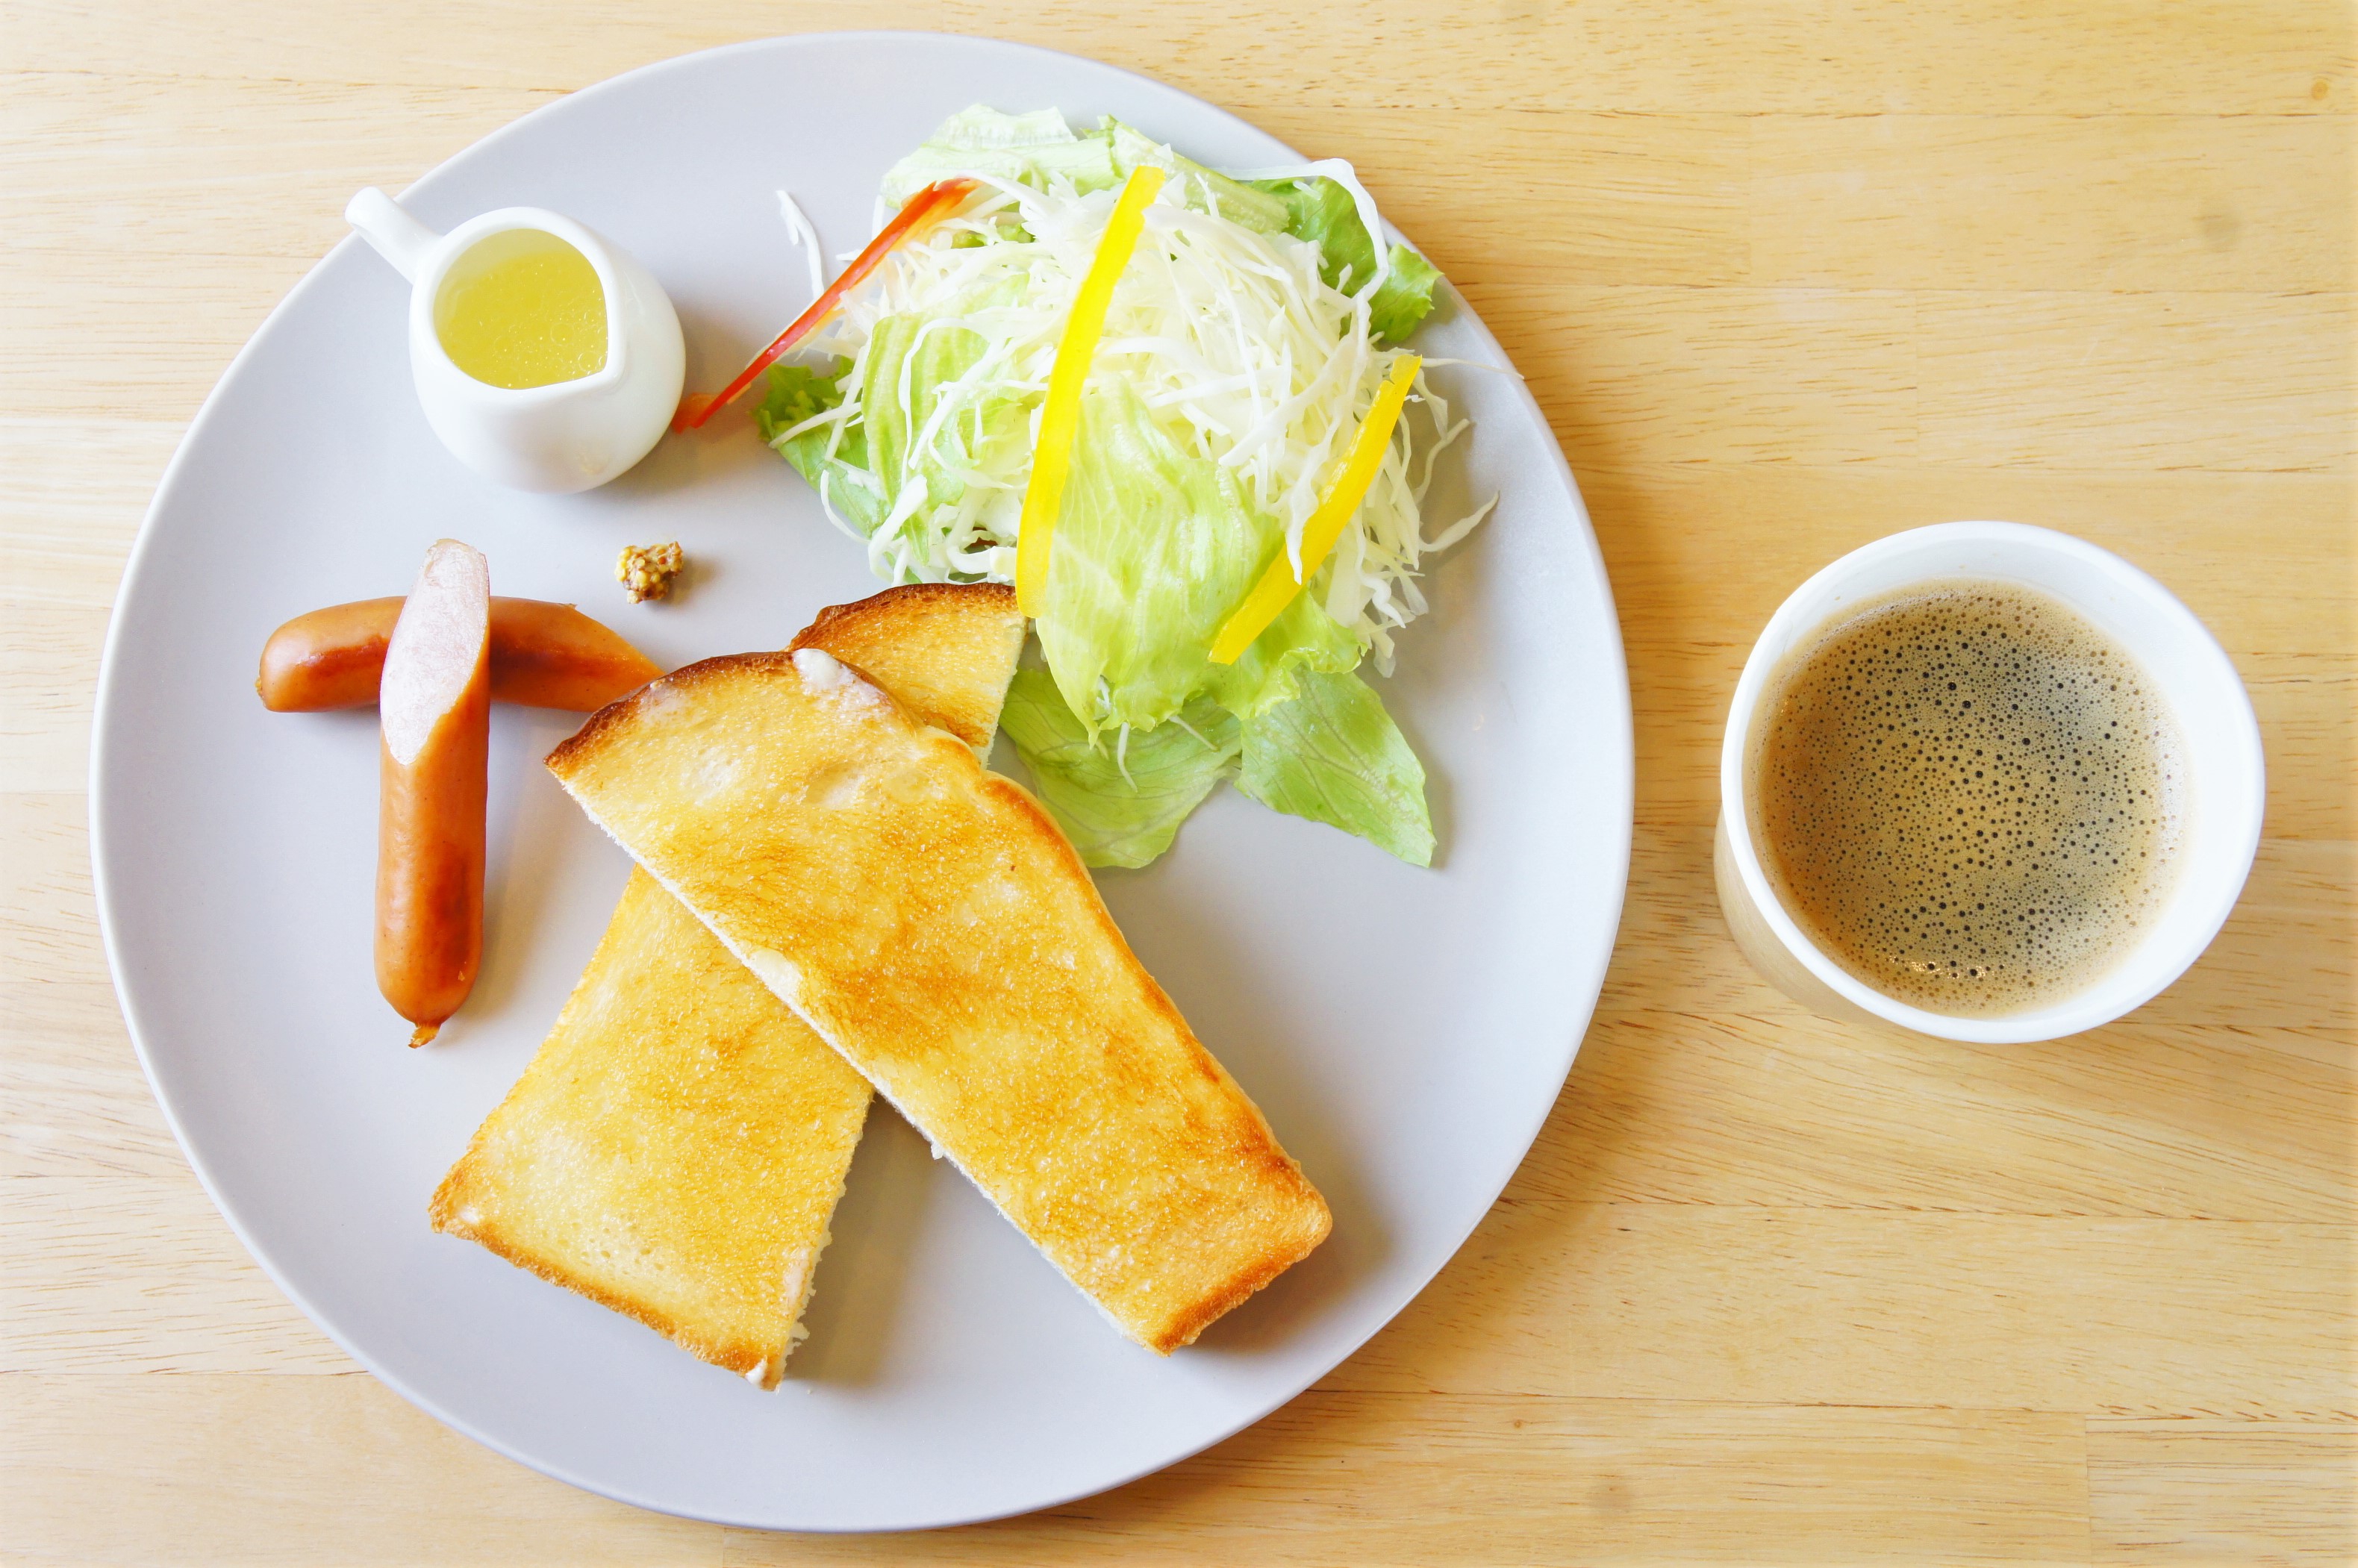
x=1155 y=547
x=1334 y=755
x=1240 y=358
x=833 y=458
x=1118 y=801
x=1322 y=211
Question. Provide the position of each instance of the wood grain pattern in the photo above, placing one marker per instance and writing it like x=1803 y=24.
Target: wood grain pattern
x=2203 y=1492
x=1769 y=1287
x=1797 y=57
x=299 y=1470
x=2120 y=1316
x=1352 y=1477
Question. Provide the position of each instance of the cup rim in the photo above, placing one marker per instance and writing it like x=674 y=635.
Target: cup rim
x=504 y=220
x=2089 y=1008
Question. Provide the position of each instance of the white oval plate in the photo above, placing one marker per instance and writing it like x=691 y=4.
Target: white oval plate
x=1406 y=1031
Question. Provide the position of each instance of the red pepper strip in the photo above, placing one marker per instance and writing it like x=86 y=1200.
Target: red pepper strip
x=935 y=201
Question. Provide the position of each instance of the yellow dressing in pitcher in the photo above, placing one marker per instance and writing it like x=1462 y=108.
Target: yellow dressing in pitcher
x=523 y=308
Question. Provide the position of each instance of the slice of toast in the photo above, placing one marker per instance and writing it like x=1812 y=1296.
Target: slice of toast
x=677 y=1147
x=930 y=921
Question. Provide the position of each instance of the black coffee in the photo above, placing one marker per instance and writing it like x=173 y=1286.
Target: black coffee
x=1967 y=797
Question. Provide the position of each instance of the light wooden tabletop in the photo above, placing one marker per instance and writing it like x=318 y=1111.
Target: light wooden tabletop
x=1786 y=277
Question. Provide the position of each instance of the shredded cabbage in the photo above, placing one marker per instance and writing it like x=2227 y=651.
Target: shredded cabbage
x=1243 y=348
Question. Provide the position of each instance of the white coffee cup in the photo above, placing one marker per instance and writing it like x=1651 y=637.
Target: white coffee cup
x=567 y=436
x=2222 y=794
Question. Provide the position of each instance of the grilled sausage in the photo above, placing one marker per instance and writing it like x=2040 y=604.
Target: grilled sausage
x=543 y=655
x=436 y=704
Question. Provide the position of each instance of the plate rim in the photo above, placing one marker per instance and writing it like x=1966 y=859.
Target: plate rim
x=110 y=675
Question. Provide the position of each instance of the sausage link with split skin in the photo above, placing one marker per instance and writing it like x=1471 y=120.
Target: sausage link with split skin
x=543 y=655
x=436 y=708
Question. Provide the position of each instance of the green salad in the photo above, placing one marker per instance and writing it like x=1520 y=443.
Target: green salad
x=1245 y=342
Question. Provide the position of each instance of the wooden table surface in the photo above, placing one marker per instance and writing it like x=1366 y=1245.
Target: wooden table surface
x=1787 y=275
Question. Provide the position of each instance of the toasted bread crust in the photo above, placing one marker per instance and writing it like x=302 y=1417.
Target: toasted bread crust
x=923 y=643
x=937 y=646
x=676 y=1148
x=931 y=923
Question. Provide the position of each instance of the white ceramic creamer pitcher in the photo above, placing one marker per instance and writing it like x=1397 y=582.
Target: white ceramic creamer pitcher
x=568 y=435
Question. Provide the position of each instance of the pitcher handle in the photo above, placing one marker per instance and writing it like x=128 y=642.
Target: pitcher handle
x=396 y=236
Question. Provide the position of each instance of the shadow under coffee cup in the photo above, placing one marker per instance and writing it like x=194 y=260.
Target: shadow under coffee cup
x=2219 y=780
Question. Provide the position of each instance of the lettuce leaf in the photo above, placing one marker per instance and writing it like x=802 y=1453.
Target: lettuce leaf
x=1040 y=150
x=1322 y=211
x=1148 y=539
x=1334 y=755
x=1118 y=805
x=1036 y=149
x=795 y=394
x=878 y=456
x=1191 y=450
x=1207 y=191
x=901 y=353
x=1155 y=547
x=910 y=361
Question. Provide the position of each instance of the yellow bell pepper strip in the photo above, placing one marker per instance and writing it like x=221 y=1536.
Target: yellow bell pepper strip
x=935 y=201
x=1060 y=417
x=1278 y=584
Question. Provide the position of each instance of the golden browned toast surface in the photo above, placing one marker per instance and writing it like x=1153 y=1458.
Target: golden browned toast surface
x=946 y=650
x=677 y=1147
x=931 y=923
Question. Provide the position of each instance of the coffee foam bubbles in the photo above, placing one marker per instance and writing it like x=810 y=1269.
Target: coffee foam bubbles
x=1967 y=796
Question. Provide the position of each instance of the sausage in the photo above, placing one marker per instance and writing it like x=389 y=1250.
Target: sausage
x=552 y=655
x=543 y=655
x=330 y=658
x=436 y=714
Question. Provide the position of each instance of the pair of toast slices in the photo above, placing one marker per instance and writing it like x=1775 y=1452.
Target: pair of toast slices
x=833 y=895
